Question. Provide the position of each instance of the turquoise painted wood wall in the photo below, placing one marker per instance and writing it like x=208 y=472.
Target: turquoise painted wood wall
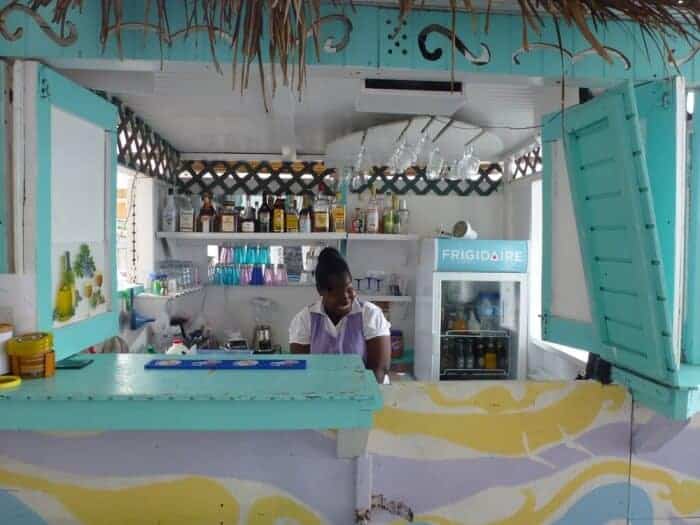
x=4 y=180
x=370 y=46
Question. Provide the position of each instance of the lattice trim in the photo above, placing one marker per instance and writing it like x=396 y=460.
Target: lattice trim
x=304 y=178
x=414 y=181
x=140 y=148
x=251 y=178
x=528 y=164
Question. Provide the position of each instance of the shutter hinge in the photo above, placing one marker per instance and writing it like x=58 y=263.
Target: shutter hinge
x=44 y=89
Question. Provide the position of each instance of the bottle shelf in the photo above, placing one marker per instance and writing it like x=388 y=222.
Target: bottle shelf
x=382 y=237
x=259 y=237
x=387 y=298
x=189 y=291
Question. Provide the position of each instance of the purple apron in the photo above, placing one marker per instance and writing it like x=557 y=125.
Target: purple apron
x=350 y=341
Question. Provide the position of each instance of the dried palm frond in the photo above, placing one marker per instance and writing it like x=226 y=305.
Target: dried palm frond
x=288 y=25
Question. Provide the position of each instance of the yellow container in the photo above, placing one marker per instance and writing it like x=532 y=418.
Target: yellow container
x=31 y=355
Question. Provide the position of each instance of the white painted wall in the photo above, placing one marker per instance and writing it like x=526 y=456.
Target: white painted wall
x=230 y=308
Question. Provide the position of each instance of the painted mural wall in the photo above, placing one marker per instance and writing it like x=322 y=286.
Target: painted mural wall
x=462 y=453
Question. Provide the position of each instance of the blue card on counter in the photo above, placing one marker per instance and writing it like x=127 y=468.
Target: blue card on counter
x=226 y=364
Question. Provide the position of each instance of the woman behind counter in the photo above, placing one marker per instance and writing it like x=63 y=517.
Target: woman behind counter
x=339 y=323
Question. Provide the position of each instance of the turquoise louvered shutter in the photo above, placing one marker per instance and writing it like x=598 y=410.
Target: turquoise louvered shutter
x=618 y=237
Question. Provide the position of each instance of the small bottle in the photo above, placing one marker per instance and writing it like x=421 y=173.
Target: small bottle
x=480 y=355
x=306 y=216
x=206 y=221
x=227 y=217
x=264 y=215
x=372 y=214
x=186 y=215
x=169 y=214
x=278 y=215
x=469 y=355
x=321 y=211
x=490 y=358
x=356 y=225
x=459 y=350
x=248 y=221
x=388 y=214
x=292 y=219
x=402 y=216
x=338 y=214
x=501 y=355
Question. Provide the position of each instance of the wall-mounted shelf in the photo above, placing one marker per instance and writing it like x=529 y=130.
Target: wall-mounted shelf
x=382 y=237
x=258 y=237
x=183 y=293
x=286 y=237
x=387 y=298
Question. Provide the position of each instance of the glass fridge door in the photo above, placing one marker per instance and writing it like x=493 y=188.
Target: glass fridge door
x=479 y=329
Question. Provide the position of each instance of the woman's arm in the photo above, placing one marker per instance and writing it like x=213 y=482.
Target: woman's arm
x=297 y=348
x=379 y=356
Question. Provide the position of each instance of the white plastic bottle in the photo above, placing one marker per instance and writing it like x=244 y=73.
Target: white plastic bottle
x=169 y=214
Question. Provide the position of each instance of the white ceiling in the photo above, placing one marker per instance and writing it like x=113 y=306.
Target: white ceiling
x=197 y=111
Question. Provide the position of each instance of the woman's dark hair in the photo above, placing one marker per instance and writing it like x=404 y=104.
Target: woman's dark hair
x=330 y=265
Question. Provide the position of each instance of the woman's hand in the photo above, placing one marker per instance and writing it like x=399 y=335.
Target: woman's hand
x=379 y=356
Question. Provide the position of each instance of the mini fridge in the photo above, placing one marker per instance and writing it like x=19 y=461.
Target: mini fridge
x=471 y=310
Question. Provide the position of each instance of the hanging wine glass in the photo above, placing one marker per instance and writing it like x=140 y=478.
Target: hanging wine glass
x=406 y=159
x=422 y=151
x=452 y=170
x=435 y=165
x=472 y=166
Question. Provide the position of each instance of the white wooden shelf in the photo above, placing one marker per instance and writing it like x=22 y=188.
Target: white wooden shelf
x=190 y=291
x=387 y=298
x=287 y=237
x=382 y=237
x=259 y=237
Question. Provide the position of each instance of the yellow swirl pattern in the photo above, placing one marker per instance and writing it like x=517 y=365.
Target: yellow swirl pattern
x=496 y=399
x=508 y=433
x=178 y=502
x=684 y=495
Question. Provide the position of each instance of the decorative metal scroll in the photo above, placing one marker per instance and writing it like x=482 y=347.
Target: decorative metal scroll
x=528 y=164
x=571 y=56
x=140 y=148
x=62 y=39
x=478 y=60
x=252 y=178
x=414 y=181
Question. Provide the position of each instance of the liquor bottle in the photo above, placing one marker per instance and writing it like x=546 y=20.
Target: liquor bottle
x=64 y=309
x=207 y=215
x=306 y=216
x=228 y=217
x=388 y=214
x=338 y=214
x=357 y=223
x=292 y=219
x=372 y=214
x=278 y=215
x=395 y=210
x=380 y=211
x=321 y=211
x=402 y=216
x=248 y=220
x=264 y=215
x=169 y=214
x=186 y=215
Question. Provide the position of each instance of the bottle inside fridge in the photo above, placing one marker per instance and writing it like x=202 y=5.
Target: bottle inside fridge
x=478 y=329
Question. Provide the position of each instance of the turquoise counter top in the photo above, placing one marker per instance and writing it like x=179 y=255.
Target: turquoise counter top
x=116 y=393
